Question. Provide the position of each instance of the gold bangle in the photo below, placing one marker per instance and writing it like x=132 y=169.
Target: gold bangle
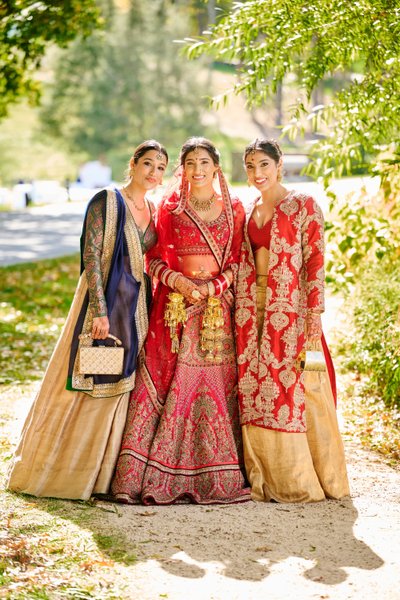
x=211 y=288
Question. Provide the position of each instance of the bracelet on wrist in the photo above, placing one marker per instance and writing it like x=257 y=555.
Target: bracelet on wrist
x=211 y=288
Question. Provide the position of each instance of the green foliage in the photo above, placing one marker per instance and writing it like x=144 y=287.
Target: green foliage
x=35 y=302
x=271 y=40
x=27 y=28
x=364 y=229
x=27 y=153
x=357 y=235
x=124 y=85
x=373 y=348
x=362 y=258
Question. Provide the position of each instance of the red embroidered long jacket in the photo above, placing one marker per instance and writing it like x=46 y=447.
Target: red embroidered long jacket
x=271 y=390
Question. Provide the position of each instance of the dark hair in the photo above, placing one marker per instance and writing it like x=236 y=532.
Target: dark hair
x=146 y=146
x=199 y=142
x=267 y=145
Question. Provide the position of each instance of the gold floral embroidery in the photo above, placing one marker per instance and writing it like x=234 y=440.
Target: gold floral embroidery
x=287 y=378
x=248 y=385
x=279 y=321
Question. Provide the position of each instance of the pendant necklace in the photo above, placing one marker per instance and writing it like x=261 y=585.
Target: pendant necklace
x=139 y=208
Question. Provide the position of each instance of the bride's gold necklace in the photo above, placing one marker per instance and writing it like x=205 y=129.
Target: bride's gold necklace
x=201 y=205
x=131 y=198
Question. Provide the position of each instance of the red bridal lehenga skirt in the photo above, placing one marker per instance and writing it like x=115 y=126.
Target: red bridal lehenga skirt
x=188 y=447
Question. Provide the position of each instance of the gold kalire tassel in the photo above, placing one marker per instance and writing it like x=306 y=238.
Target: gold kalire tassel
x=212 y=330
x=174 y=315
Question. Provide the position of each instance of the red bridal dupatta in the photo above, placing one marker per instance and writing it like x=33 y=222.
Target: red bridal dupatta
x=182 y=438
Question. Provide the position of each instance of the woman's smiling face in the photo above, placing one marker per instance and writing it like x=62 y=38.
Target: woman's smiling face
x=262 y=170
x=148 y=171
x=199 y=168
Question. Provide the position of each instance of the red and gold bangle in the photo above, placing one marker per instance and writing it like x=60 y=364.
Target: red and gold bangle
x=156 y=267
x=163 y=273
x=221 y=283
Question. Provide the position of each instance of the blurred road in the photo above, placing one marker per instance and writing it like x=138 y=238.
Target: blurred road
x=53 y=230
x=40 y=232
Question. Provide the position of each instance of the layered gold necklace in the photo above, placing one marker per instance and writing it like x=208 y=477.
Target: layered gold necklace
x=201 y=205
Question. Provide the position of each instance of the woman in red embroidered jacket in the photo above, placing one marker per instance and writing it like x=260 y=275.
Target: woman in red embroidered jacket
x=292 y=446
x=182 y=438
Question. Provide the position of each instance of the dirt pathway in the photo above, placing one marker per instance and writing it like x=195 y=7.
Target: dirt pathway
x=334 y=549
x=347 y=549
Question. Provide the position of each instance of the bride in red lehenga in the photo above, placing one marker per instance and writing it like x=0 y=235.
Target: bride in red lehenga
x=182 y=439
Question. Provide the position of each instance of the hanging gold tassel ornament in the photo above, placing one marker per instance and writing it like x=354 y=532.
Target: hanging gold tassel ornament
x=212 y=331
x=175 y=315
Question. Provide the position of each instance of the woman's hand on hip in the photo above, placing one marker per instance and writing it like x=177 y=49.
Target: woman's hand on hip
x=100 y=328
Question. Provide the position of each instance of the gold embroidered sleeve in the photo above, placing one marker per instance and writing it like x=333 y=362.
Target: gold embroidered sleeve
x=91 y=259
x=313 y=254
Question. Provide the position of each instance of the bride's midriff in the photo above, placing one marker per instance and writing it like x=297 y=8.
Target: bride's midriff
x=199 y=266
x=261 y=257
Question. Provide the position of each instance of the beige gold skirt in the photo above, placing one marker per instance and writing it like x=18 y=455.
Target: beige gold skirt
x=70 y=441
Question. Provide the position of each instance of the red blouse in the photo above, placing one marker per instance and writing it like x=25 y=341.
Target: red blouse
x=260 y=237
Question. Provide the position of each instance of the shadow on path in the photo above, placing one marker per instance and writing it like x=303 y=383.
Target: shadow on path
x=242 y=541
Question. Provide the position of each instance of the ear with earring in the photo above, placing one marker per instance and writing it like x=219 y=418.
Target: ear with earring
x=279 y=175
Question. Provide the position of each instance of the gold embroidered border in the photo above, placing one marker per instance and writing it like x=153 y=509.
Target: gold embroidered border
x=137 y=270
x=181 y=470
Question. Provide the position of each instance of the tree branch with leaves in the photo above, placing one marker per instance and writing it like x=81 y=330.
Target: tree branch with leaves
x=270 y=40
x=27 y=28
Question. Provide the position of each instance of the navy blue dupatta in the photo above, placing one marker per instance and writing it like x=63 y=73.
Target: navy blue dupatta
x=121 y=294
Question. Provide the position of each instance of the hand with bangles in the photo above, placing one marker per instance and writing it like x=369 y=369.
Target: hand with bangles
x=189 y=290
x=218 y=285
x=313 y=327
x=100 y=328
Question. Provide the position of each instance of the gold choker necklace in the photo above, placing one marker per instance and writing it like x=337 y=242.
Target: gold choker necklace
x=201 y=205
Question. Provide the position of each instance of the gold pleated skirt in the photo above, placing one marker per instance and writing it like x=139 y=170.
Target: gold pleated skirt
x=297 y=467
x=70 y=441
